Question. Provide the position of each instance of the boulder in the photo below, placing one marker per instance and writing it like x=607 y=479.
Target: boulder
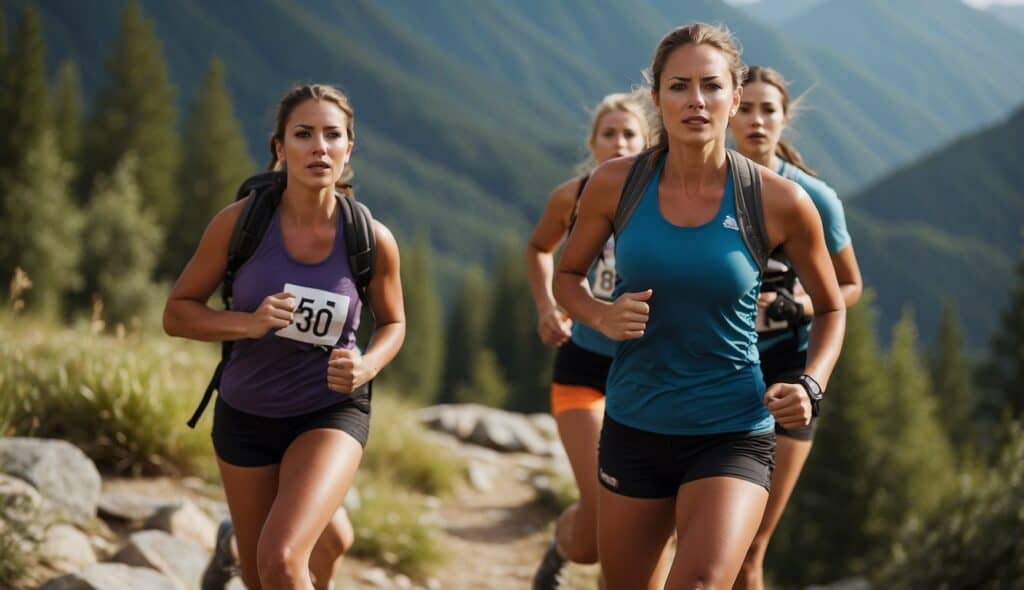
x=60 y=471
x=111 y=576
x=180 y=560
x=185 y=521
x=66 y=549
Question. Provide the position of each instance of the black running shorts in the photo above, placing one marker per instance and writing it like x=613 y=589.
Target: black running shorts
x=642 y=464
x=784 y=364
x=575 y=365
x=248 y=440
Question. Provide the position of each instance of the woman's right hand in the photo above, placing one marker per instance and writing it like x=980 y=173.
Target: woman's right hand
x=274 y=313
x=553 y=327
x=626 y=318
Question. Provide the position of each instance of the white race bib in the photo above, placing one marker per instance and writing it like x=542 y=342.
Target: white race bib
x=604 y=277
x=319 y=315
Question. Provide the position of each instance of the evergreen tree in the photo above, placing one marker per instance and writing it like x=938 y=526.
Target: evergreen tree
x=42 y=225
x=216 y=162
x=485 y=385
x=524 y=360
x=1002 y=374
x=951 y=379
x=135 y=112
x=416 y=371
x=68 y=111
x=26 y=94
x=465 y=334
x=122 y=242
x=4 y=82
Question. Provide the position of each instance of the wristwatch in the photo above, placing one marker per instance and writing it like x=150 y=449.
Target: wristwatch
x=813 y=391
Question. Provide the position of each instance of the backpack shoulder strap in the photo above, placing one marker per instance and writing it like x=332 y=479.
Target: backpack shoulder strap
x=360 y=242
x=749 y=210
x=640 y=174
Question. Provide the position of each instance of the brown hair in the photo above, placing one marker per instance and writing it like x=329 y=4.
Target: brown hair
x=784 y=149
x=299 y=95
x=636 y=103
x=717 y=36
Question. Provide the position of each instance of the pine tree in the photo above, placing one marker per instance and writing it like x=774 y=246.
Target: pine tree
x=485 y=385
x=135 y=112
x=4 y=82
x=524 y=360
x=26 y=94
x=122 y=242
x=416 y=371
x=68 y=111
x=951 y=379
x=42 y=225
x=1002 y=374
x=216 y=162
x=466 y=333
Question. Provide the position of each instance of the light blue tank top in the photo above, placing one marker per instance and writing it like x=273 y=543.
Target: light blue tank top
x=696 y=369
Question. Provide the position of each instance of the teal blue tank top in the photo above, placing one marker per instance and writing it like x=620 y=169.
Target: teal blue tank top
x=696 y=369
x=602 y=284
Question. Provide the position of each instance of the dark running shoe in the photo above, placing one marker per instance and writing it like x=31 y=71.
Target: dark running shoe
x=550 y=567
x=221 y=567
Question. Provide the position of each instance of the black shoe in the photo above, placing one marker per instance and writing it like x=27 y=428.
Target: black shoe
x=222 y=566
x=550 y=567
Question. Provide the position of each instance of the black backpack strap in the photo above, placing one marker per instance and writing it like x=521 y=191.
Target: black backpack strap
x=576 y=204
x=360 y=242
x=750 y=213
x=639 y=176
x=264 y=193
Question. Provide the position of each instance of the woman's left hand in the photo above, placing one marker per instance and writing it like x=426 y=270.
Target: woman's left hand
x=346 y=370
x=790 y=404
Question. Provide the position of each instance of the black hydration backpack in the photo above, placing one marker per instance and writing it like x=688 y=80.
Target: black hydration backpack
x=264 y=192
x=747 y=192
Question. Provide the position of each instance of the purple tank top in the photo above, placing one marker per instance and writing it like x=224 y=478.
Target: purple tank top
x=276 y=376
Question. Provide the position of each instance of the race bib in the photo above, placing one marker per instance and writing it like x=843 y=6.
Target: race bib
x=604 y=277
x=319 y=316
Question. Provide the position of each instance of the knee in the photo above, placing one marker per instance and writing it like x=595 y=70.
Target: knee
x=339 y=536
x=580 y=552
x=280 y=564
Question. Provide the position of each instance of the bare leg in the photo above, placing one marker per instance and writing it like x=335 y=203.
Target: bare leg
x=576 y=529
x=250 y=493
x=315 y=474
x=716 y=519
x=631 y=537
x=790 y=456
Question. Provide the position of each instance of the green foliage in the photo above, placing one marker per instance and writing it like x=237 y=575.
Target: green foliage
x=216 y=162
x=135 y=112
x=401 y=453
x=1003 y=371
x=122 y=242
x=973 y=541
x=122 y=400
x=485 y=385
x=391 y=531
x=416 y=371
x=26 y=96
x=67 y=101
x=525 y=361
x=950 y=377
x=18 y=538
x=466 y=334
x=42 y=225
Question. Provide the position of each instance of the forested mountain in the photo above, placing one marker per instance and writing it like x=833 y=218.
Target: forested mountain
x=952 y=228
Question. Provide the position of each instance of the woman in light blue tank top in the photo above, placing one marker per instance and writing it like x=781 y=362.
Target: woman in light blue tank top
x=785 y=309
x=619 y=127
x=688 y=438
x=294 y=410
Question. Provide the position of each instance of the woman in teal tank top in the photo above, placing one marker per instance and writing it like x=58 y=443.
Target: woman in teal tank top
x=785 y=309
x=688 y=438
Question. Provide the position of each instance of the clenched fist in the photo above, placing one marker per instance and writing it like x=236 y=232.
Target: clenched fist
x=346 y=371
x=273 y=314
x=790 y=404
x=626 y=318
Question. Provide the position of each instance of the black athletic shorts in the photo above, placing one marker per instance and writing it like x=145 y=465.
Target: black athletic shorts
x=785 y=364
x=247 y=440
x=642 y=464
x=575 y=365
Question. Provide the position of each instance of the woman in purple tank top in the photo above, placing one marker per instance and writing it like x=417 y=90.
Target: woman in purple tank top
x=293 y=415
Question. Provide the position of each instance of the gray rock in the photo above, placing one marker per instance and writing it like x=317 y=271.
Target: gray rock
x=128 y=506
x=20 y=500
x=526 y=434
x=493 y=431
x=66 y=549
x=112 y=576
x=186 y=521
x=480 y=476
x=58 y=470
x=546 y=425
x=179 y=559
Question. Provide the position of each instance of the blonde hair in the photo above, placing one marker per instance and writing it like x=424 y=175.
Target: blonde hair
x=636 y=103
x=293 y=99
x=717 y=36
x=784 y=149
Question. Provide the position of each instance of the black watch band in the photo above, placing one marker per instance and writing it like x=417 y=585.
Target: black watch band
x=814 y=391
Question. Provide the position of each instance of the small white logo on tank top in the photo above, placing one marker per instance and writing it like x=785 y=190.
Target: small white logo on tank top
x=730 y=223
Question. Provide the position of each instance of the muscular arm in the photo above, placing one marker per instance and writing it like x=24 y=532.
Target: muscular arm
x=385 y=295
x=794 y=223
x=186 y=313
x=545 y=238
